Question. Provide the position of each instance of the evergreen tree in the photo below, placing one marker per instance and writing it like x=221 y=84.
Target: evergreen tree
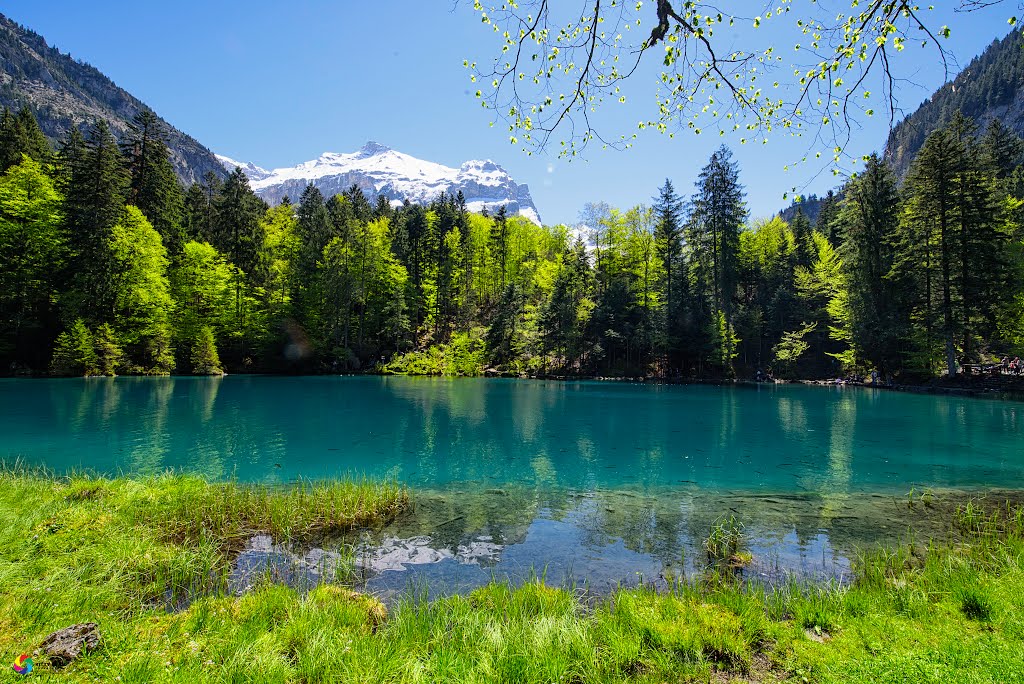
x=869 y=220
x=565 y=315
x=74 y=352
x=20 y=135
x=499 y=245
x=828 y=212
x=668 y=235
x=950 y=255
x=154 y=187
x=95 y=202
x=237 y=230
x=200 y=209
x=718 y=213
x=503 y=337
x=314 y=230
x=204 y=359
x=803 y=252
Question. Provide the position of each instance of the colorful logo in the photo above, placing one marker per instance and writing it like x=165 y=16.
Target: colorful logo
x=22 y=664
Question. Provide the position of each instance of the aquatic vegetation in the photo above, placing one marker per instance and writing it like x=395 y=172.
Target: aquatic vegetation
x=723 y=547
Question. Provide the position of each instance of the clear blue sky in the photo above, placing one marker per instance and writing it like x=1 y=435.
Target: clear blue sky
x=279 y=83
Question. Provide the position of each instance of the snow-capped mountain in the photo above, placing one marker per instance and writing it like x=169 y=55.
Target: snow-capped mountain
x=380 y=170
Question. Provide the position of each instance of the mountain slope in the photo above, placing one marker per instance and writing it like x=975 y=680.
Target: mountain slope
x=63 y=92
x=381 y=171
x=992 y=86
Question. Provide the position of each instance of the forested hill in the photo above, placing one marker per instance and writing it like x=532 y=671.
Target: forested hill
x=63 y=92
x=992 y=86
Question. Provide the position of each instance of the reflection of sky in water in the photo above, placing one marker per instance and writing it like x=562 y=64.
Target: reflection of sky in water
x=599 y=541
x=593 y=481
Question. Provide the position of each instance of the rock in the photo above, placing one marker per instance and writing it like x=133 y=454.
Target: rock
x=68 y=644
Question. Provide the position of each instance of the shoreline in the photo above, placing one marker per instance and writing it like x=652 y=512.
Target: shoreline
x=108 y=551
x=991 y=387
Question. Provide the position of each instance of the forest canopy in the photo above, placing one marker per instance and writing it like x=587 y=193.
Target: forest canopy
x=111 y=267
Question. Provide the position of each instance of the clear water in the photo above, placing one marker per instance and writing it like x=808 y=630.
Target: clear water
x=594 y=482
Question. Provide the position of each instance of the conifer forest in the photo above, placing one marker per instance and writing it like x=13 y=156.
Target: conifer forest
x=112 y=267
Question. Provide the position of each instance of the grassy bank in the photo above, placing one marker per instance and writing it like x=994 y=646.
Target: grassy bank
x=110 y=551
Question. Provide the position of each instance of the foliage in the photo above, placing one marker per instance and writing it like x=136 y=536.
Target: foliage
x=556 y=66
x=75 y=352
x=789 y=350
x=462 y=356
x=33 y=248
x=679 y=289
x=204 y=359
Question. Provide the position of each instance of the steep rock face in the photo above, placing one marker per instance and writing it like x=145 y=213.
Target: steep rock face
x=63 y=92
x=381 y=171
x=991 y=87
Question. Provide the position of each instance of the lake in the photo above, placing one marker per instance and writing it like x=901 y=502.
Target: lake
x=596 y=483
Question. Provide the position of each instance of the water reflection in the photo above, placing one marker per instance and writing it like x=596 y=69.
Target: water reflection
x=453 y=542
x=523 y=474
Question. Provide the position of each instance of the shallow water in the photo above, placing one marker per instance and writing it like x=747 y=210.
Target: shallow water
x=588 y=483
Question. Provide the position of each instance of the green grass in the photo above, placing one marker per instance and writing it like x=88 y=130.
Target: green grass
x=81 y=549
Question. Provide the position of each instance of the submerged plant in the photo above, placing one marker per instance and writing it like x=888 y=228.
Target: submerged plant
x=723 y=544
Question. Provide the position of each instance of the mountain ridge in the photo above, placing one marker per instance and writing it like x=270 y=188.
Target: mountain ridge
x=990 y=87
x=379 y=170
x=63 y=92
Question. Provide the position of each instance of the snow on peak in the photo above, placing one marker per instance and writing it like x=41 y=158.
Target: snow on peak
x=379 y=170
x=252 y=171
x=371 y=148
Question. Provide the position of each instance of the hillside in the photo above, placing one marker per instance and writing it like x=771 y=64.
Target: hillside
x=992 y=86
x=63 y=92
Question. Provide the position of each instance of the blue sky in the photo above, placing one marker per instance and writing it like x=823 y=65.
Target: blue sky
x=277 y=84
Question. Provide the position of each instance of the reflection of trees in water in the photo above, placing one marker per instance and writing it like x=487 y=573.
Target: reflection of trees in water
x=453 y=518
x=147 y=454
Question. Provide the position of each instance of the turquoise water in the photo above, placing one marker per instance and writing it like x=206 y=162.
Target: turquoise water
x=434 y=433
x=592 y=480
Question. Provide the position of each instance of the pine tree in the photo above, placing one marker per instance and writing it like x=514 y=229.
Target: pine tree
x=564 y=316
x=20 y=135
x=200 y=209
x=499 y=245
x=668 y=235
x=828 y=211
x=803 y=252
x=204 y=359
x=718 y=213
x=237 y=231
x=154 y=186
x=869 y=220
x=951 y=248
x=94 y=203
x=109 y=356
x=314 y=230
x=74 y=352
